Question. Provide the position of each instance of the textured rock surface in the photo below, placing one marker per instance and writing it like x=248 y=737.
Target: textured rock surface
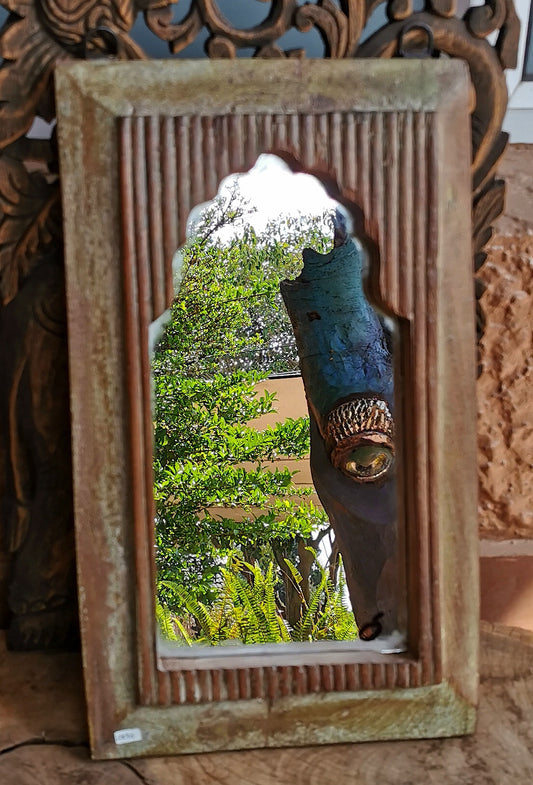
x=505 y=387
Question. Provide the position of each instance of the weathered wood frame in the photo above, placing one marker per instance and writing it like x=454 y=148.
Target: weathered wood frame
x=127 y=190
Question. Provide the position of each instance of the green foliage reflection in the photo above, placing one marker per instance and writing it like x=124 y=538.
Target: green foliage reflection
x=246 y=609
x=228 y=331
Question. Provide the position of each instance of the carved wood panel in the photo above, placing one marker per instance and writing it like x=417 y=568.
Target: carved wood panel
x=35 y=475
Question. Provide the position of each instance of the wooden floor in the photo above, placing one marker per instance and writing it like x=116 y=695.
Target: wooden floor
x=43 y=737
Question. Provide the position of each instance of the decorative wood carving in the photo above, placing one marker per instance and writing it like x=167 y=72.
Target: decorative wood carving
x=37 y=35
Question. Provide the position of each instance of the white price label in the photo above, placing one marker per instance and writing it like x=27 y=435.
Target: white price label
x=128 y=735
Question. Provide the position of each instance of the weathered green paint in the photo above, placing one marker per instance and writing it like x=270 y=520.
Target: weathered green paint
x=311 y=719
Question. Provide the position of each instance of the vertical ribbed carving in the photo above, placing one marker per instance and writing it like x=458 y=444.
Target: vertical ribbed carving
x=196 y=160
x=384 y=162
x=406 y=212
x=151 y=292
x=391 y=203
x=183 y=179
x=402 y=675
x=236 y=143
x=209 y=154
x=257 y=682
x=137 y=315
x=336 y=163
x=419 y=380
x=432 y=402
x=349 y=152
x=363 y=181
x=251 y=139
x=279 y=140
x=307 y=135
x=169 y=206
x=294 y=132
x=264 y=132
x=155 y=213
x=165 y=690
x=379 y=228
x=298 y=680
x=353 y=677
x=222 y=147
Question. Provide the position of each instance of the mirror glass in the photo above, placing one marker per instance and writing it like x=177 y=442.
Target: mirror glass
x=273 y=404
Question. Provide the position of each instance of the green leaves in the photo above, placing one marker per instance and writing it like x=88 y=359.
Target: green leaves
x=220 y=497
x=229 y=313
x=247 y=609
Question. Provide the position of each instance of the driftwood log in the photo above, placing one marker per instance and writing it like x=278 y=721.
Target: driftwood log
x=43 y=736
x=347 y=370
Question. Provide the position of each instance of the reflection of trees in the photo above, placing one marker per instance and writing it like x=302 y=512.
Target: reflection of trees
x=228 y=331
x=230 y=281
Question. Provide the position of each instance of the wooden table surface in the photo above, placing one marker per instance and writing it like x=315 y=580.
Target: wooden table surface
x=43 y=735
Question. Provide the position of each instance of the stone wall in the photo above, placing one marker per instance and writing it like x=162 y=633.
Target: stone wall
x=505 y=389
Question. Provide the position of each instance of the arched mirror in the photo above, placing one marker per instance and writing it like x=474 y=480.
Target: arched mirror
x=252 y=545
x=381 y=305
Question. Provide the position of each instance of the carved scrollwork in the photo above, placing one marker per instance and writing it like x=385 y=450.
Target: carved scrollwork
x=29 y=222
x=400 y=9
x=466 y=39
x=36 y=36
x=444 y=8
x=159 y=17
x=29 y=55
x=340 y=30
x=69 y=21
x=485 y=19
x=451 y=37
x=225 y=39
x=59 y=29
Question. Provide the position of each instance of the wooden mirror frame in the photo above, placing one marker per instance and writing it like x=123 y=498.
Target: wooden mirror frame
x=140 y=145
